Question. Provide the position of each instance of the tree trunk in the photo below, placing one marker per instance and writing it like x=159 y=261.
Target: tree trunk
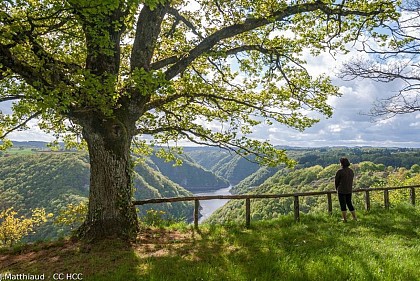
x=111 y=212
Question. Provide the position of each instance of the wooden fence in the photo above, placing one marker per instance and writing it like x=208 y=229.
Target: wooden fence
x=296 y=196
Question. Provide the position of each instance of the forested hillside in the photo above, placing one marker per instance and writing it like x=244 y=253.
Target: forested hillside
x=315 y=178
x=308 y=157
x=52 y=180
x=189 y=175
x=226 y=165
x=44 y=180
x=324 y=156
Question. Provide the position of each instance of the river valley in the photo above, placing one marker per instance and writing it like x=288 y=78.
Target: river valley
x=209 y=206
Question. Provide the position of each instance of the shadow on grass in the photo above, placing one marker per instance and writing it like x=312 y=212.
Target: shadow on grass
x=402 y=220
x=382 y=245
x=317 y=248
x=107 y=260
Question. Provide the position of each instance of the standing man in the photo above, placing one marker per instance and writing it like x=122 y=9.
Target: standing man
x=344 y=186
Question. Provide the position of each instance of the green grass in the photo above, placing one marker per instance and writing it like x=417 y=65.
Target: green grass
x=382 y=245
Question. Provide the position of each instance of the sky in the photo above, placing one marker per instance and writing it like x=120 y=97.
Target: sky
x=349 y=125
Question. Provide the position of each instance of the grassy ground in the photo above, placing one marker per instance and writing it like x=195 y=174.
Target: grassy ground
x=382 y=245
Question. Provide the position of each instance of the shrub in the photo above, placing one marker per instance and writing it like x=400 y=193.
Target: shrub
x=13 y=228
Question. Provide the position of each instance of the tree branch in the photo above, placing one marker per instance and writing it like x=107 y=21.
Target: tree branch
x=54 y=66
x=180 y=17
x=164 y=62
x=15 y=97
x=201 y=138
x=147 y=31
x=20 y=125
x=31 y=74
x=250 y=24
x=371 y=70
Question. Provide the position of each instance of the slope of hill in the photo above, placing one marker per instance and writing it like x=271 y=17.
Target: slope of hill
x=190 y=175
x=254 y=180
x=43 y=180
x=207 y=157
x=54 y=180
x=235 y=168
x=225 y=164
x=315 y=178
x=380 y=246
x=151 y=184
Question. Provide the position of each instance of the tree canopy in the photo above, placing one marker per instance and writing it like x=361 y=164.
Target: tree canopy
x=173 y=66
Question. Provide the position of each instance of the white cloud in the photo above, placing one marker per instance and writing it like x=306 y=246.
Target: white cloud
x=335 y=128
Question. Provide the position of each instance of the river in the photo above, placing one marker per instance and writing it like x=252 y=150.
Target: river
x=209 y=206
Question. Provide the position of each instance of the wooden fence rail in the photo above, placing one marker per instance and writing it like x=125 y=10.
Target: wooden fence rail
x=248 y=197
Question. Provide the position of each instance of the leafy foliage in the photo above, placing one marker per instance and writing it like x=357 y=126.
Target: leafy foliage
x=176 y=67
x=13 y=228
x=73 y=215
x=159 y=219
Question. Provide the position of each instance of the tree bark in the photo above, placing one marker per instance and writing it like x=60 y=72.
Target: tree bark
x=111 y=212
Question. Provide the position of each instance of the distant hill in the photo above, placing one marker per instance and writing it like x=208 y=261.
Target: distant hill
x=207 y=157
x=30 y=144
x=189 y=175
x=324 y=156
x=224 y=164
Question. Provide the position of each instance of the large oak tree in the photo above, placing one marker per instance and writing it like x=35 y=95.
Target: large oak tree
x=206 y=71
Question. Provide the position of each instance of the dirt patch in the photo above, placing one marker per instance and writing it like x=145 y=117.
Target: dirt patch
x=158 y=242
x=162 y=236
x=49 y=253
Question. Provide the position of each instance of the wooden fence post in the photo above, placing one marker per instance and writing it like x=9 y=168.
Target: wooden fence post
x=386 y=199
x=413 y=196
x=248 y=212
x=196 y=212
x=367 y=200
x=296 y=207
x=329 y=203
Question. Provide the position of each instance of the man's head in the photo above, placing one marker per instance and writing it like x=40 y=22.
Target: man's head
x=344 y=162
